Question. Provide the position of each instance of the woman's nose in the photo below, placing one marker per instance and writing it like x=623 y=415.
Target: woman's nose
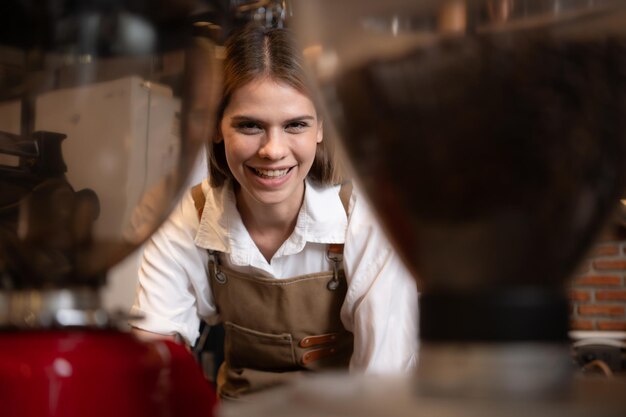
x=274 y=145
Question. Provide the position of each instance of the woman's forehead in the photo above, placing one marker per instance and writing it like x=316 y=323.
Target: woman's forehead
x=270 y=96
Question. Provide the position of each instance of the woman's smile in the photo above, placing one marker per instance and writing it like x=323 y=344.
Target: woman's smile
x=271 y=178
x=271 y=173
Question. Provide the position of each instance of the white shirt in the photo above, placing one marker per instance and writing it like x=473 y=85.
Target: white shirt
x=380 y=307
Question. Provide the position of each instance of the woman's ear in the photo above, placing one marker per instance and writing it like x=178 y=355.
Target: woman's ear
x=320 y=131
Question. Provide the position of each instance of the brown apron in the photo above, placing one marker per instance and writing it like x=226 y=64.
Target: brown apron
x=278 y=329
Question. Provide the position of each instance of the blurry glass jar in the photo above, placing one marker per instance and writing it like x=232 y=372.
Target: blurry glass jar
x=103 y=107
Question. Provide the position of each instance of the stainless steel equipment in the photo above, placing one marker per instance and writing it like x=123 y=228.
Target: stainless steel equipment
x=85 y=177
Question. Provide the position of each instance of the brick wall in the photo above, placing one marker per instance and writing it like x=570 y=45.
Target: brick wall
x=598 y=289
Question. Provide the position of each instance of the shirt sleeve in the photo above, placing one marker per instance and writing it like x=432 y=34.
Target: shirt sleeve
x=170 y=292
x=381 y=306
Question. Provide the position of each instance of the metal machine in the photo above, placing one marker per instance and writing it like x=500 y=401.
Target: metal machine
x=85 y=177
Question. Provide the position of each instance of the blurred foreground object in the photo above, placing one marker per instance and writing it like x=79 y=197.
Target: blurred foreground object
x=490 y=136
x=103 y=108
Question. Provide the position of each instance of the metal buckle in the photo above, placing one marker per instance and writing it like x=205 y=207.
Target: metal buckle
x=214 y=268
x=336 y=258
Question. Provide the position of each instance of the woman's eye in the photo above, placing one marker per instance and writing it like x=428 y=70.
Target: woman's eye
x=248 y=128
x=295 y=127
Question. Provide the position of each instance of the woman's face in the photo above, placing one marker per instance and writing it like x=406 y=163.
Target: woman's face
x=270 y=132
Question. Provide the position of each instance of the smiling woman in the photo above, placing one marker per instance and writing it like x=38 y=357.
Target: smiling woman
x=273 y=245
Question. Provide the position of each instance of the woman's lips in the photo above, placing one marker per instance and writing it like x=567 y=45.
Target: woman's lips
x=270 y=173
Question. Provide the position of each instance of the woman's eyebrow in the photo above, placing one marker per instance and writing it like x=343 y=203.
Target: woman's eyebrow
x=242 y=118
x=300 y=118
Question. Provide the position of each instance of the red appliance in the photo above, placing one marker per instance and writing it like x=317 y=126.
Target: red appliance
x=85 y=372
x=68 y=359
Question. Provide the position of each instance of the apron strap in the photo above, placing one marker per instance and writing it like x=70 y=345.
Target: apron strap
x=198 y=199
x=334 y=252
x=345 y=192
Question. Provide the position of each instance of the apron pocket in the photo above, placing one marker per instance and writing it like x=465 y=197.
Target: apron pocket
x=247 y=348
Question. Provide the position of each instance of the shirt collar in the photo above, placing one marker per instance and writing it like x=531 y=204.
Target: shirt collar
x=322 y=219
x=213 y=232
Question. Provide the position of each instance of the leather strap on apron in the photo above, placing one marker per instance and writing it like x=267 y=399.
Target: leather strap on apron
x=198 y=199
x=345 y=192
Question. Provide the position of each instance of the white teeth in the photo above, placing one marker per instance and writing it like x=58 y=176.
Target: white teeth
x=273 y=173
